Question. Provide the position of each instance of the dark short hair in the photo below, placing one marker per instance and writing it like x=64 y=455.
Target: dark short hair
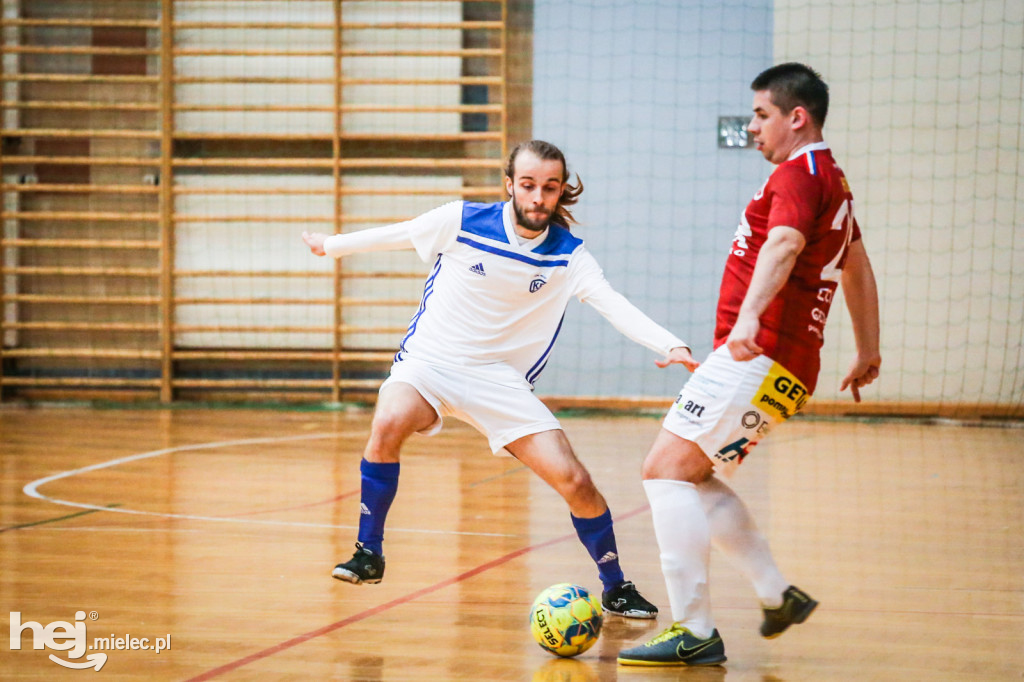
x=795 y=85
x=546 y=151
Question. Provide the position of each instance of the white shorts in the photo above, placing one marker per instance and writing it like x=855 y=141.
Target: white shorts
x=727 y=406
x=502 y=413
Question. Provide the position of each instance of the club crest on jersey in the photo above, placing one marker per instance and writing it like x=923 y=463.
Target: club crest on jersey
x=537 y=283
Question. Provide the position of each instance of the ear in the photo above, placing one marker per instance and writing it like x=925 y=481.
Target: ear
x=799 y=118
x=508 y=185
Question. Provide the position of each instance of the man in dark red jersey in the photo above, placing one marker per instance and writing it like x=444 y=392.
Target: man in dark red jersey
x=797 y=240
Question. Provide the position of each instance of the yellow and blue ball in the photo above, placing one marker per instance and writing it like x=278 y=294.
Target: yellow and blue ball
x=565 y=619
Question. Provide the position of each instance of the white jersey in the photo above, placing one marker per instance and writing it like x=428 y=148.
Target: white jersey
x=493 y=306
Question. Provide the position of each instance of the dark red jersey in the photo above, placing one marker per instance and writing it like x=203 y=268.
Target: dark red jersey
x=808 y=193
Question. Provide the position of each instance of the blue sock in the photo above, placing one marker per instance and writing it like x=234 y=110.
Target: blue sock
x=379 y=485
x=598 y=536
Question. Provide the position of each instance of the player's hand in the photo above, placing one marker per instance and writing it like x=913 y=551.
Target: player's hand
x=863 y=370
x=679 y=355
x=742 y=342
x=315 y=242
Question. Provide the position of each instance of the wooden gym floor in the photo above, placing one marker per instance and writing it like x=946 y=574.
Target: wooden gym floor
x=218 y=529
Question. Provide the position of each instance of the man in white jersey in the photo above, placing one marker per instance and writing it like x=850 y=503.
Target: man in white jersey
x=797 y=240
x=491 y=310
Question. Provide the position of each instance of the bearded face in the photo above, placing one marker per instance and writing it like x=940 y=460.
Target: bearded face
x=536 y=190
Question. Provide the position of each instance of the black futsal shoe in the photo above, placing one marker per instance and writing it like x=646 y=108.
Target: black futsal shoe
x=365 y=566
x=624 y=600
x=796 y=607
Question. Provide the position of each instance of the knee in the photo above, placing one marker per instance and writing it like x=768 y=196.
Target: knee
x=387 y=433
x=386 y=421
x=690 y=465
x=577 y=485
x=656 y=466
x=650 y=470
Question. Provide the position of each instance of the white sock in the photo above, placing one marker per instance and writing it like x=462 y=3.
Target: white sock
x=685 y=543
x=735 y=534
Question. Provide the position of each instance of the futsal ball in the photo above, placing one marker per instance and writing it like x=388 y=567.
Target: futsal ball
x=566 y=619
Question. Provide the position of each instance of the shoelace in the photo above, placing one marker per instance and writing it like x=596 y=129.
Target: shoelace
x=672 y=632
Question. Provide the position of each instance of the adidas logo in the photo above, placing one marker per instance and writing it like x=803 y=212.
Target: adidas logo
x=478 y=269
x=363 y=509
x=609 y=556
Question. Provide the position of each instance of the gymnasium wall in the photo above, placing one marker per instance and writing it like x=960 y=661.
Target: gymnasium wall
x=925 y=120
x=632 y=92
x=161 y=159
x=156 y=175
x=928 y=124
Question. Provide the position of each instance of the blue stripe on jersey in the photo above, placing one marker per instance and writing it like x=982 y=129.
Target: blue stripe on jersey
x=511 y=254
x=485 y=220
x=560 y=242
x=428 y=289
x=539 y=366
x=488 y=220
x=812 y=166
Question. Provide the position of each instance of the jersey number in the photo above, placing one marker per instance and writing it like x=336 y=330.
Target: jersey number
x=842 y=221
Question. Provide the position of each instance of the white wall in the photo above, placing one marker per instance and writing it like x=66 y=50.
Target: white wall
x=632 y=92
x=926 y=122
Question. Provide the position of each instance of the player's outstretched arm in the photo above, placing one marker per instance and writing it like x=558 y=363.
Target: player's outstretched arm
x=428 y=233
x=633 y=323
x=386 y=238
x=589 y=284
x=861 y=294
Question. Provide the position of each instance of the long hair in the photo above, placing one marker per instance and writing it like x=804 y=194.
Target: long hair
x=795 y=85
x=546 y=151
